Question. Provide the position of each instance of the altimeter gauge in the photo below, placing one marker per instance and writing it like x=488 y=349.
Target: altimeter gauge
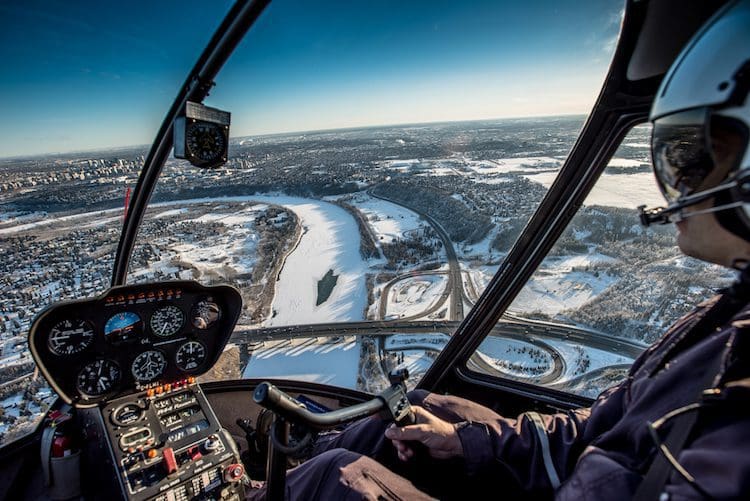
x=69 y=337
x=148 y=366
x=167 y=321
x=98 y=377
x=190 y=355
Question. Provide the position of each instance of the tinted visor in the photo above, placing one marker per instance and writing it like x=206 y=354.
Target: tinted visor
x=681 y=152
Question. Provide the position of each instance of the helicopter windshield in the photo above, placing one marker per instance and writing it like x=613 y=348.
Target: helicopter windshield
x=383 y=158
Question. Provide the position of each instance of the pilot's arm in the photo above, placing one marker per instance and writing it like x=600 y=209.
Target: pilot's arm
x=539 y=450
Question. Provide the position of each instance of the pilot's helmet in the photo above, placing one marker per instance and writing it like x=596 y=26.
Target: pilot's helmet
x=701 y=122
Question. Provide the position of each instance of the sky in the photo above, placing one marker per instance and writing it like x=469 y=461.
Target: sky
x=91 y=75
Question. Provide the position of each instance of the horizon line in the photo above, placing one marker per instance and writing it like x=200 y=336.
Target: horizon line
x=103 y=149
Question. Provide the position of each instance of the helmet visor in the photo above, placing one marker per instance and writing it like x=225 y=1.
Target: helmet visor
x=681 y=152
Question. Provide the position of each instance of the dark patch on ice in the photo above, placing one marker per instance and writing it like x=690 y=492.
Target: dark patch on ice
x=325 y=287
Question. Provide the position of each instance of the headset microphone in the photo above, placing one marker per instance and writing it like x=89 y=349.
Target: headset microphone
x=673 y=212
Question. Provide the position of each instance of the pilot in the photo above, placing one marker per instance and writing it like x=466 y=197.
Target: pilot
x=678 y=426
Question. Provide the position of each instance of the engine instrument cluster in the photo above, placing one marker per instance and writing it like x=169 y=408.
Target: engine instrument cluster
x=131 y=337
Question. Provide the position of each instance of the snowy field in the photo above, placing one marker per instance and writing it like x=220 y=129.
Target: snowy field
x=581 y=359
x=171 y=212
x=308 y=359
x=416 y=362
x=525 y=360
x=516 y=164
x=387 y=220
x=515 y=358
x=556 y=287
x=413 y=295
x=615 y=190
x=46 y=222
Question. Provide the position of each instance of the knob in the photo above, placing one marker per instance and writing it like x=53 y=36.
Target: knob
x=212 y=443
x=234 y=472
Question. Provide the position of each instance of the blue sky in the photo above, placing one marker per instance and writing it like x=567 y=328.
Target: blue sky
x=87 y=75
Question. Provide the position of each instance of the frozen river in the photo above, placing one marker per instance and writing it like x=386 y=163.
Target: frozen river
x=330 y=241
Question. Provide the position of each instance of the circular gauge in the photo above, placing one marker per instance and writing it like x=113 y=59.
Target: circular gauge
x=205 y=141
x=69 y=337
x=167 y=321
x=190 y=355
x=148 y=365
x=205 y=313
x=127 y=414
x=125 y=326
x=98 y=378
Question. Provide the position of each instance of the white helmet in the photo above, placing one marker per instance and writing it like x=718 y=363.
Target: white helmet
x=701 y=124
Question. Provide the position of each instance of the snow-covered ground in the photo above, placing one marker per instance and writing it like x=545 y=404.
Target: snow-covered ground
x=232 y=250
x=514 y=164
x=90 y=217
x=413 y=295
x=556 y=286
x=171 y=212
x=580 y=359
x=416 y=362
x=311 y=359
x=615 y=190
x=515 y=358
x=387 y=220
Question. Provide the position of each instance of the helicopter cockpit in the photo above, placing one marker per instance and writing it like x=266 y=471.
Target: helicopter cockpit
x=182 y=319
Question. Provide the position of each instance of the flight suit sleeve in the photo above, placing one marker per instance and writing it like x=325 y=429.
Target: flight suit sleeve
x=539 y=450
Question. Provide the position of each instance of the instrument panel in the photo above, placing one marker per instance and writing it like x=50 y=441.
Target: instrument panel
x=131 y=337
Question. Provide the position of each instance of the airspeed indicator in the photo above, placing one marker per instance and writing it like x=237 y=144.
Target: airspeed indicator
x=167 y=321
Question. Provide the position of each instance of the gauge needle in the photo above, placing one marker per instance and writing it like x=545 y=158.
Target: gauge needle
x=163 y=329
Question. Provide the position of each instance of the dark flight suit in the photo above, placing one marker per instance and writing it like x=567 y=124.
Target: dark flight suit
x=599 y=453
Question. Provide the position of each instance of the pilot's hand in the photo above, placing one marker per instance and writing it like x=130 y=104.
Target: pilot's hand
x=439 y=437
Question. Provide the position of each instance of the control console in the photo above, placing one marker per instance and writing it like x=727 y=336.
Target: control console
x=166 y=444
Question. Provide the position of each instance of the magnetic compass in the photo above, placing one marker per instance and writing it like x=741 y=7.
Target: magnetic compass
x=205 y=313
x=205 y=141
x=201 y=135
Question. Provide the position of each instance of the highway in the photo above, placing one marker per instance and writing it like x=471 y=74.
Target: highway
x=383 y=307
x=454 y=289
x=534 y=332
